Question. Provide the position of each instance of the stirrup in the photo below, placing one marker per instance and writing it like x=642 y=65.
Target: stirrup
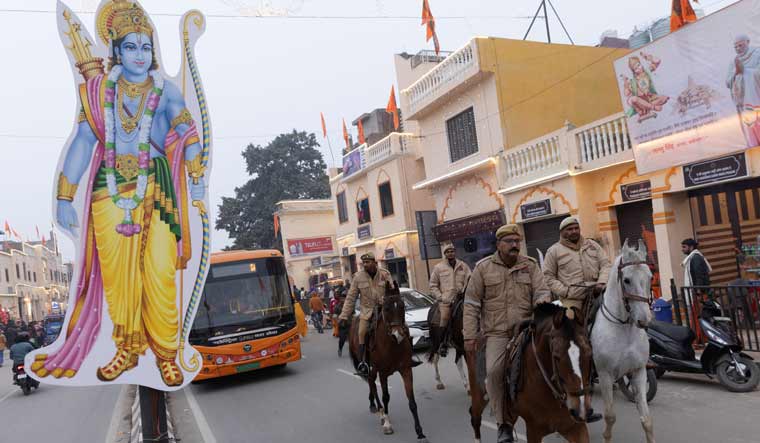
x=363 y=368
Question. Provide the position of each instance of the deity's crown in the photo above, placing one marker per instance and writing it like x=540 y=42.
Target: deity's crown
x=121 y=17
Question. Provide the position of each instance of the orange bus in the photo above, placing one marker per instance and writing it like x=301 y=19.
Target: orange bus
x=246 y=318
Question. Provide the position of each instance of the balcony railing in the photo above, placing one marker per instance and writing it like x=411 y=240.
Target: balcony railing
x=390 y=146
x=601 y=143
x=603 y=138
x=451 y=72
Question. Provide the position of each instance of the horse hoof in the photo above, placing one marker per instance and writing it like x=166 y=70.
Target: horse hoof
x=373 y=409
x=440 y=386
x=387 y=431
x=422 y=440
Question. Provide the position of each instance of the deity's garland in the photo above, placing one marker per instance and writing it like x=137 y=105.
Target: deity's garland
x=127 y=227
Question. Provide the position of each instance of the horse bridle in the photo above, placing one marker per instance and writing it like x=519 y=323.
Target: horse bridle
x=627 y=296
x=391 y=324
x=554 y=382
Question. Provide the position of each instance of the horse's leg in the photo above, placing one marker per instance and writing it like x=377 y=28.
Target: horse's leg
x=605 y=383
x=579 y=434
x=477 y=402
x=462 y=373
x=373 y=392
x=533 y=434
x=385 y=419
x=440 y=384
x=640 y=381
x=406 y=374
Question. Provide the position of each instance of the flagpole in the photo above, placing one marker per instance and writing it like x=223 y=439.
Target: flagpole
x=329 y=146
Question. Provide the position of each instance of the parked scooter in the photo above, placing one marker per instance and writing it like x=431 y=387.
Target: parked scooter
x=23 y=381
x=670 y=348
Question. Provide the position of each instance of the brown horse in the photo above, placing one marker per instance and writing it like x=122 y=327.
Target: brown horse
x=555 y=377
x=390 y=350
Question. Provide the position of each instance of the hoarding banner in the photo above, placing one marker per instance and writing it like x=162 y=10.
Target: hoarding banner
x=309 y=246
x=695 y=94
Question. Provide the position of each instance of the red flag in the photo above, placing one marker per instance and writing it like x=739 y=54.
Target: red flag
x=681 y=14
x=7 y=228
x=276 y=224
x=429 y=21
x=362 y=140
x=392 y=108
x=43 y=240
x=345 y=135
x=324 y=127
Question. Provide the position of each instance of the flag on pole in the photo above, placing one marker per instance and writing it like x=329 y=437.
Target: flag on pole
x=681 y=14
x=392 y=108
x=324 y=127
x=38 y=231
x=7 y=229
x=276 y=225
x=429 y=21
x=345 y=135
x=360 y=126
x=15 y=234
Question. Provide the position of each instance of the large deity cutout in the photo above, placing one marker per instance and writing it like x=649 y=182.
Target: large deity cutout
x=131 y=192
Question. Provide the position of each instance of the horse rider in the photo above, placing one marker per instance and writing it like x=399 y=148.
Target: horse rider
x=447 y=283
x=573 y=265
x=370 y=284
x=502 y=292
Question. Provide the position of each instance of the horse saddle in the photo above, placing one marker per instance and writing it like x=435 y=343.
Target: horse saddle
x=515 y=351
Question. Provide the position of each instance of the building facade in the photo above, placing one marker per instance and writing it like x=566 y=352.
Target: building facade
x=308 y=240
x=34 y=281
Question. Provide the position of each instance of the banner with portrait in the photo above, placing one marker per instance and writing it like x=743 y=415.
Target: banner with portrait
x=695 y=93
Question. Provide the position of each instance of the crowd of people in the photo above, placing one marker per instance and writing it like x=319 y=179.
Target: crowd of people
x=27 y=335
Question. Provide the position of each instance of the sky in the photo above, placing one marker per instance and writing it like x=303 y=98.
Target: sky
x=262 y=75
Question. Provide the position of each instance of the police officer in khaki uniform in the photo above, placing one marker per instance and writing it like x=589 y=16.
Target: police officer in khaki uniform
x=575 y=260
x=502 y=292
x=447 y=281
x=370 y=284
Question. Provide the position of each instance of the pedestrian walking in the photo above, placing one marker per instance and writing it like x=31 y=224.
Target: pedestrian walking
x=573 y=265
x=316 y=306
x=333 y=303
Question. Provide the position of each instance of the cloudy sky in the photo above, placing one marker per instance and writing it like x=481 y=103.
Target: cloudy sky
x=262 y=75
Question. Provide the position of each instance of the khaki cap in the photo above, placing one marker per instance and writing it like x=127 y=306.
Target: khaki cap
x=567 y=222
x=368 y=256
x=510 y=229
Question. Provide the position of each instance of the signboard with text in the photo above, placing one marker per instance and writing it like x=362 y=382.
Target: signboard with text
x=309 y=246
x=364 y=232
x=715 y=170
x=636 y=191
x=536 y=209
x=694 y=94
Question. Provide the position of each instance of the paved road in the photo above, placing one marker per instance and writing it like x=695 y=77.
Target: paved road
x=54 y=413
x=318 y=400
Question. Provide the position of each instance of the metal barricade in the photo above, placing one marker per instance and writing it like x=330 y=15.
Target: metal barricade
x=738 y=302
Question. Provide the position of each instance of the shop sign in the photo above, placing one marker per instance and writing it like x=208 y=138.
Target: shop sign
x=309 y=246
x=536 y=209
x=315 y=262
x=344 y=252
x=681 y=93
x=715 y=170
x=636 y=191
x=364 y=232
x=464 y=227
x=390 y=254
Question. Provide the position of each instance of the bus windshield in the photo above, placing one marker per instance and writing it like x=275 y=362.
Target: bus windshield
x=244 y=296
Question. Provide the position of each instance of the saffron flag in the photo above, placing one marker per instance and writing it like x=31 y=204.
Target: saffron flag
x=38 y=231
x=360 y=126
x=429 y=21
x=276 y=225
x=345 y=135
x=7 y=228
x=392 y=108
x=324 y=127
x=682 y=14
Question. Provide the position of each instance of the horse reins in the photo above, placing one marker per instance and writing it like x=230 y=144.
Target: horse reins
x=555 y=381
x=627 y=296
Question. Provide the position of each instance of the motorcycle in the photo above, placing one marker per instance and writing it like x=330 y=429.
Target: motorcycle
x=670 y=348
x=22 y=380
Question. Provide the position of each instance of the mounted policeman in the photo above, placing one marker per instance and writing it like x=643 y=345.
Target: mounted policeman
x=370 y=284
x=502 y=292
x=575 y=267
x=447 y=284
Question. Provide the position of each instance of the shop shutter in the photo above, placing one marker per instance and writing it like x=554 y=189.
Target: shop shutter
x=541 y=235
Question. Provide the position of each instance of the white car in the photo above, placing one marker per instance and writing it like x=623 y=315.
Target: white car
x=417 y=306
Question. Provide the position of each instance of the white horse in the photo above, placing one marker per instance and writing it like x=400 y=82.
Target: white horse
x=619 y=340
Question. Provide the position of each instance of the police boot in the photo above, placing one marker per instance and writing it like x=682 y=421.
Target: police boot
x=505 y=434
x=362 y=368
x=592 y=416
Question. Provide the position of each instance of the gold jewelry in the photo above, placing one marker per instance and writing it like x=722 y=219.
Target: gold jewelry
x=183 y=117
x=66 y=190
x=195 y=169
x=134 y=90
x=127 y=166
x=121 y=17
x=130 y=123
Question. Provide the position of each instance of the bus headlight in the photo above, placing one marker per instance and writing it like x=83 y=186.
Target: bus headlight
x=219 y=360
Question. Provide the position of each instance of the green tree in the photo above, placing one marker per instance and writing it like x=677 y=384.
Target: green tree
x=288 y=168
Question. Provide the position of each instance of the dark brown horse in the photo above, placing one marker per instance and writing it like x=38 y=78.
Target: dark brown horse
x=390 y=350
x=555 y=378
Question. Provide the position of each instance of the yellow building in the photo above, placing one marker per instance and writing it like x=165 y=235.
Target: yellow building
x=483 y=103
x=308 y=240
